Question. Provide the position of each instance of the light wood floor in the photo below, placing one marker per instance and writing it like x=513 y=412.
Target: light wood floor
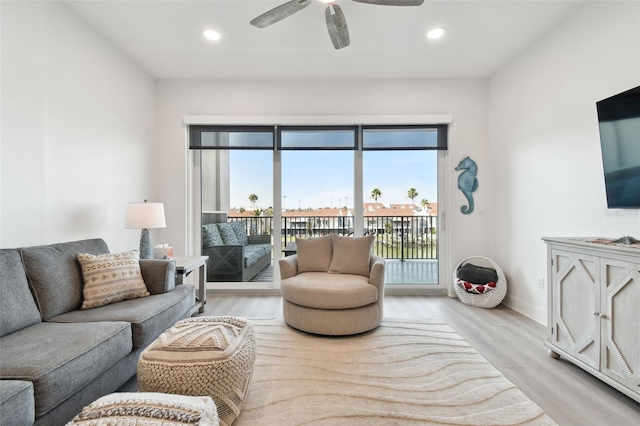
x=508 y=340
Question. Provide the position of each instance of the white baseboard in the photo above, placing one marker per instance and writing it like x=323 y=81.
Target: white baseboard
x=527 y=309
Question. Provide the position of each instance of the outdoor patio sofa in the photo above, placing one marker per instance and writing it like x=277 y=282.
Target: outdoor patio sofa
x=234 y=255
x=56 y=357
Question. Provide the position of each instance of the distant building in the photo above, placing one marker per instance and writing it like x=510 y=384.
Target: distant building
x=379 y=218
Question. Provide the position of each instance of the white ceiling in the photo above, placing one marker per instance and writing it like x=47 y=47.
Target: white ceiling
x=165 y=37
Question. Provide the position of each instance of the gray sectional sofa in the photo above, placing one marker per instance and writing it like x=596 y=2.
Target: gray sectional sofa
x=56 y=358
x=234 y=255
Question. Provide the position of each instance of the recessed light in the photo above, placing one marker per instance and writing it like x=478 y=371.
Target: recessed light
x=435 y=33
x=211 y=35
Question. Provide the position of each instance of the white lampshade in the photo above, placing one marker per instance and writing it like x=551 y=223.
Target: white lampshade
x=145 y=216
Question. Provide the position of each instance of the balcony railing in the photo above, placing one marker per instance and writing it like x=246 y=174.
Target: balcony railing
x=396 y=237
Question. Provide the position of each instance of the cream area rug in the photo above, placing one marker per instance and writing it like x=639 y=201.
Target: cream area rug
x=406 y=372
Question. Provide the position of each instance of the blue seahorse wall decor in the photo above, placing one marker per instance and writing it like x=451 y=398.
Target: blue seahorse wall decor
x=467 y=182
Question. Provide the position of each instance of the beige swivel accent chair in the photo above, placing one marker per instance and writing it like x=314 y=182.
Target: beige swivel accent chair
x=333 y=286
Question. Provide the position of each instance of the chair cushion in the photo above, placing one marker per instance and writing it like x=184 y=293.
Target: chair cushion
x=329 y=291
x=17 y=305
x=254 y=252
x=240 y=231
x=228 y=235
x=148 y=316
x=211 y=236
x=351 y=255
x=110 y=278
x=54 y=274
x=60 y=359
x=314 y=254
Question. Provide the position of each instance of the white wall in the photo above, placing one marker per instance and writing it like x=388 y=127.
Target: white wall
x=466 y=100
x=78 y=128
x=547 y=176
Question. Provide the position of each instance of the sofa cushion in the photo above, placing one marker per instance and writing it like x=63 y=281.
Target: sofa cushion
x=254 y=252
x=54 y=274
x=324 y=291
x=59 y=359
x=228 y=235
x=314 y=254
x=110 y=278
x=239 y=228
x=211 y=236
x=17 y=305
x=148 y=316
x=17 y=406
x=351 y=255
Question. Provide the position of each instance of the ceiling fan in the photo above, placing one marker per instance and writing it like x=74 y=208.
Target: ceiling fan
x=336 y=23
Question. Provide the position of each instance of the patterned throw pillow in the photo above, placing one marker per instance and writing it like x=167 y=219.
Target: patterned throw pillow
x=241 y=232
x=228 y=236
x=148 y=408
x=211 y=236
x=111 y=277
x=476 y=288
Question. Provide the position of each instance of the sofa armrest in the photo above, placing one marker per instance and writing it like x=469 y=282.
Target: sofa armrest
x=376 y=272
x=159 y=275
x=288 y=267
x=259 y=239
x=17 y=403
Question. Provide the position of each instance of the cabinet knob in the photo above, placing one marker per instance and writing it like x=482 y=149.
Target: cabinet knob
x=597 y=314
x=603 y=316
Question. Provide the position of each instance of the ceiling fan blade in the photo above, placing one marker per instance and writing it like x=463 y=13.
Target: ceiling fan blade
x=392 y=2
x=337 y=26
x=279 y=13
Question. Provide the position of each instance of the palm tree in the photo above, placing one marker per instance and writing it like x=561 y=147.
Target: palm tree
x=375 y=194
x=253 y=198
x=412 y=193
x=425 y=204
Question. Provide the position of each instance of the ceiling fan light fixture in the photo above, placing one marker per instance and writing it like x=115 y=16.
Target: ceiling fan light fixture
x=436 y=33
x=211 y=35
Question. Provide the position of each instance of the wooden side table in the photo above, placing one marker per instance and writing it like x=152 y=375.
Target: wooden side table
x=184 y=266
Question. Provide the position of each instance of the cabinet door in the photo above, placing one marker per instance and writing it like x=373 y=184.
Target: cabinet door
x=576 y=302
x=621 y=322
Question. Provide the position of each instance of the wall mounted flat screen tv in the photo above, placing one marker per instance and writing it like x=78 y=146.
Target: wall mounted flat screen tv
x=619 y=122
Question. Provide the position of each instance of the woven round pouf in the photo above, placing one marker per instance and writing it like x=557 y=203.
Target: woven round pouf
x=490 y=299
x=211 y=356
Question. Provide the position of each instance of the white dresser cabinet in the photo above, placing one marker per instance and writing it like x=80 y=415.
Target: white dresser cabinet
x=593 y=308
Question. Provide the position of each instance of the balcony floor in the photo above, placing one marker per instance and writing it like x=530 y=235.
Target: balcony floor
x=408 y=272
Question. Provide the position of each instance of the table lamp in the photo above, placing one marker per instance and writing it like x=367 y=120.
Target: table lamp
x=145 y=216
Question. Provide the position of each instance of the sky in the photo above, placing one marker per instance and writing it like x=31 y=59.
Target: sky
x=325 y=178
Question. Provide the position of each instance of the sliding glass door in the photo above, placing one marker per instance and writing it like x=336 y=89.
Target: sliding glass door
x=346 y=180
